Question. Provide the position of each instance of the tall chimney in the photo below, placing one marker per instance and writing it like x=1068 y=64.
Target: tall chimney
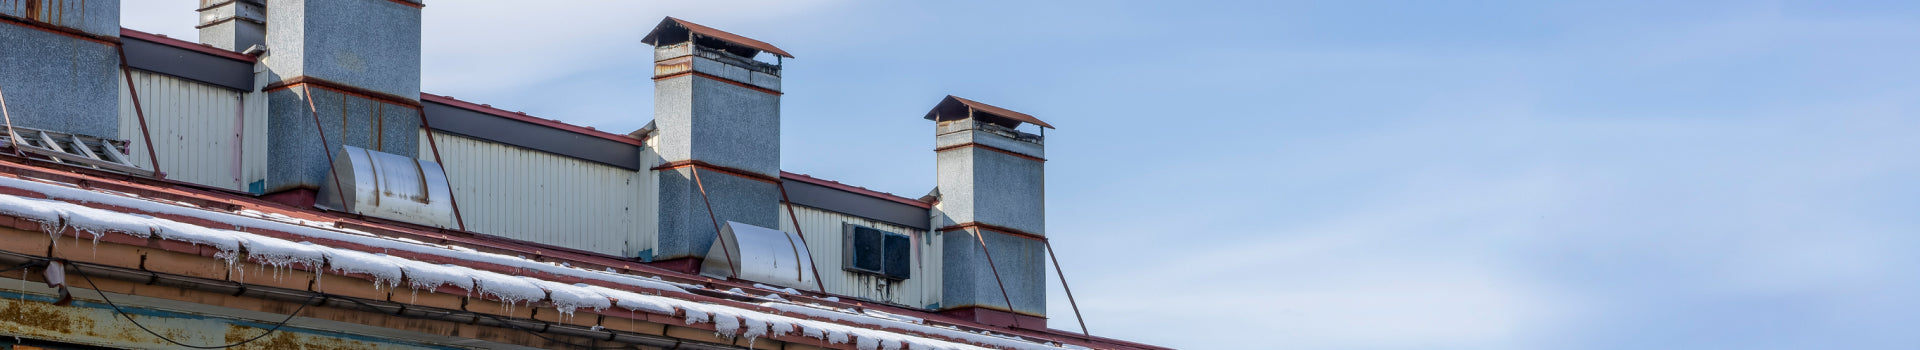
x=718 y=114
x=58 y=65
x=233 y=25
x=360 y=59
x=991 y=182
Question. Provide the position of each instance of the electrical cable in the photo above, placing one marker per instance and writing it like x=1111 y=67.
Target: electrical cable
x=129 y=317
x=24 y=266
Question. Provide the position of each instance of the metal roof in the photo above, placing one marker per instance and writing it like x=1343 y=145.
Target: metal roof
x=669 y=29
x=954 y=107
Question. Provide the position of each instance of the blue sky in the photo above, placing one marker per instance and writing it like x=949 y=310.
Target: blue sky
x=1347 y=174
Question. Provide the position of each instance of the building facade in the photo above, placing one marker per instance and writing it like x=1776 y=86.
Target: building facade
x=284 y=182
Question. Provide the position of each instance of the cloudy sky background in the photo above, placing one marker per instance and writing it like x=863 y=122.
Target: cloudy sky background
x=1346 y=174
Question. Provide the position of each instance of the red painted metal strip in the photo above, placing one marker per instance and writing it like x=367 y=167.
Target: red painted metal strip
x=50 y=28
x=144 y=36
x=1000 y=229
x=717 y=237
x=990 y=148
x=450 y=101
x=725 y=170
x=302 y=81
x=134 y=92
x=855 y=189
x=717 y=78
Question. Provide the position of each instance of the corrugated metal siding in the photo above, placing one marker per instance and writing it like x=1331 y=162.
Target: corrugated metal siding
x=823 y=230
x=253 y=167
x=196 y=129
x=541 y=197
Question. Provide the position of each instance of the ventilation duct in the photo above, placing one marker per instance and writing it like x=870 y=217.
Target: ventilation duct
x=762 y=255
x=388 y=186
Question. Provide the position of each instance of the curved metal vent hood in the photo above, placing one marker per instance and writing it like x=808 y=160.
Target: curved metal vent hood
x=389 y=186
x=763 y=255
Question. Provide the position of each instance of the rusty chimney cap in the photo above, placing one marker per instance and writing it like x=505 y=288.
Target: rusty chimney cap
x=954 y=107
x=674 y=31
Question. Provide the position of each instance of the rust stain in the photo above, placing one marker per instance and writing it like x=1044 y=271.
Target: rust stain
x=40 y=316
x=33 y=10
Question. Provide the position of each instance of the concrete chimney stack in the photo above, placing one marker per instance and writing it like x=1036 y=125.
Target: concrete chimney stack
x=59 y=68
x=991 y=182
x=718 y=113
x=360 y=59
x=233 y=25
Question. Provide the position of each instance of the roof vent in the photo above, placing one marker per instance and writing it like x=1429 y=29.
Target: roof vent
x=762 y=255
x=389 y=186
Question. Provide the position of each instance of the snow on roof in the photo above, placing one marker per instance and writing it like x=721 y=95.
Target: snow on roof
x=636 y=293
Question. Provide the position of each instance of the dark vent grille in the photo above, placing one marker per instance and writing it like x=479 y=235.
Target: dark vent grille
x=877 y=252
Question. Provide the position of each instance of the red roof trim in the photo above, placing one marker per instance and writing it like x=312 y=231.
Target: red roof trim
x=710 y=32
x=528 y=118
x=855 y=189
x=202 y=48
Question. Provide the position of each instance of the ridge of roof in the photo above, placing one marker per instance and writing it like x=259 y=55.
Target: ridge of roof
x=192 y=197
x=524 y=117
x=141 y=219
x=851 y=188
x=202 y=48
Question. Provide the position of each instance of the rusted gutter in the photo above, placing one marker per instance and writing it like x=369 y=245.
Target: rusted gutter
x=317 y=299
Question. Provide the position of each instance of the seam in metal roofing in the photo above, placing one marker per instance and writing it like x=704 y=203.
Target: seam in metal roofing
x=653 y=38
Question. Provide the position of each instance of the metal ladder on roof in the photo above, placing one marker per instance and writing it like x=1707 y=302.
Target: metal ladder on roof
x=76 y=150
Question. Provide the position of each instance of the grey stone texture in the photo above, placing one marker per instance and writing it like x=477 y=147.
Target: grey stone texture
x=718 y=123
x=298 y=158
x=370 y=44
x=61 y=83
x=97 y=17
x=969 y=281
x=993 y=188
x=687 y=231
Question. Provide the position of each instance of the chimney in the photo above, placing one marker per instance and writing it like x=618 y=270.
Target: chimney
x=360 y=60
x=991 y=182
x=233 y=25
x=59 y=68
x=718 y=114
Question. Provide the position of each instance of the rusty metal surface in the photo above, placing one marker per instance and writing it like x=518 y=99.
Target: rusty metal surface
x=668 y=28
x=954 y=107
x=33 y=316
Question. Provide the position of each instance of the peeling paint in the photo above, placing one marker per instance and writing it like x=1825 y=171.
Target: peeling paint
x=34 y=316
